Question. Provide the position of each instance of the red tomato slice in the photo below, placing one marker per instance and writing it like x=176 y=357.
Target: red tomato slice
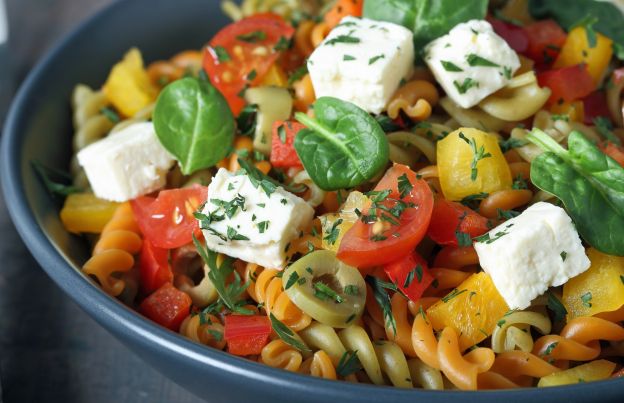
x=246 y=335
x=283 y=154
x=362 y=247
x=449 y=217
x=545 y=41
x=515 y=36
x=567 y=83
x=410 y=275
x=595 y=105
x=614 y=151
x=154 y=267
x=167 y=306
x=167 y=221
x=250 y=47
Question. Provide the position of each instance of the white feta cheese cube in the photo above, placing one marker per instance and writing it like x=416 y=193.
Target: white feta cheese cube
x=126 y=164
x=362 y=61
x=525 y=255
x=471 y=62
x=252 y=225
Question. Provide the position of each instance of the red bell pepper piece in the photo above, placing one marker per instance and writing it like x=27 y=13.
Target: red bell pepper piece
x=246 y=335
x=595 y=105
x=283 y=154
x=410 y=274
x=545 y=38
x=154 y=267
x=167 y=306
x=515 y=36
x=567 y=83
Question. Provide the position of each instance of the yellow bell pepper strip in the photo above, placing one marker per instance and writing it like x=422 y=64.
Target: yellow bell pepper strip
x=336 y=225
x=599 y=289
x=473 y=309
x=577 y=49
x=83 y=212
x=128 y=87
x=275 y=77
x=592 y=371
x=470 y=162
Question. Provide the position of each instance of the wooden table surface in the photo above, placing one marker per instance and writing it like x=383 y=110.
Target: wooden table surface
x=51 y=351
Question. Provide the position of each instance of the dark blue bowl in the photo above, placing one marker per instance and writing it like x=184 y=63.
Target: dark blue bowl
x=39 y=128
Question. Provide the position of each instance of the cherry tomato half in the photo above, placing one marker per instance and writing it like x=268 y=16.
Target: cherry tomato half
x=167 y=221
x=390 y=239
x=241 y=53
x=448 y=219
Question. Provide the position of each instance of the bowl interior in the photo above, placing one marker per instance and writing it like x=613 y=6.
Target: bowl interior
x=39 y=128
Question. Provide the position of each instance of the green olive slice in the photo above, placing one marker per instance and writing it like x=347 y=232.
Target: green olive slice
x=325 y=288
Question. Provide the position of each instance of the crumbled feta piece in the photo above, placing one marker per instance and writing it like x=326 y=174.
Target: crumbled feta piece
x=126 y=164
x=362 y=61
x=525 y=255
x=471 y=62
x=255 y=226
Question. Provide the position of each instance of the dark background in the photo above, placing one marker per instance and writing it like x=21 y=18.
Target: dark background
x=51 y=351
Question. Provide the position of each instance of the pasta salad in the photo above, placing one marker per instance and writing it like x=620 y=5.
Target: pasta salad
x=408 y=193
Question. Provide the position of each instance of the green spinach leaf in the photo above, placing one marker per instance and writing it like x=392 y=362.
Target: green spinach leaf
x=427 y=19
x=194 y=123
x=569 y=13
x=342 y=147
x=589 y=183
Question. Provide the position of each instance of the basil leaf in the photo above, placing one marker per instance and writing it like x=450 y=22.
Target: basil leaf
x=194 y=123
x=589 y=183
x=569 y=13
x=427 y=19
x=342 y=147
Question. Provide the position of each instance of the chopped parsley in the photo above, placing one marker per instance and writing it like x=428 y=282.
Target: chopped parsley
x=262 y=226
x=230 y=207
x=233 y=235
x=586 y=299
x=506 y=214
x=383 y=299
x=404 y=186
x=334 y=231
x=252 y=37
x=347 y=58
x=222 y=54
x=110 y=114
x=478 y=155
x=450 y=66
x=605 y=129
x=294 y=278
x=485 y=238
x=476 y=60
x=351 y=290
x=500 y=323
x=511 y=143
x=348 y=364
x=229 y=295
x=281 y=133
x=375 y=58
x=464 y=86
x=463 y=239
x=323 y=292
x=550 y=348
x=282 y=44
x=556 y=307
x=251 y=75
x=342 y=39
x=298 y=74
x=507 y=72
x=452 y=295
x=563 y=255
x=55 y=180
x=415 y=272
x=287 y=335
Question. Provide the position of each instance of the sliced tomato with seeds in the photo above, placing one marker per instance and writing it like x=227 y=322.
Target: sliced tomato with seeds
x=168 y=221
x=240 y=54
x=393 y=225
x=450 y=220
x=411 y=275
